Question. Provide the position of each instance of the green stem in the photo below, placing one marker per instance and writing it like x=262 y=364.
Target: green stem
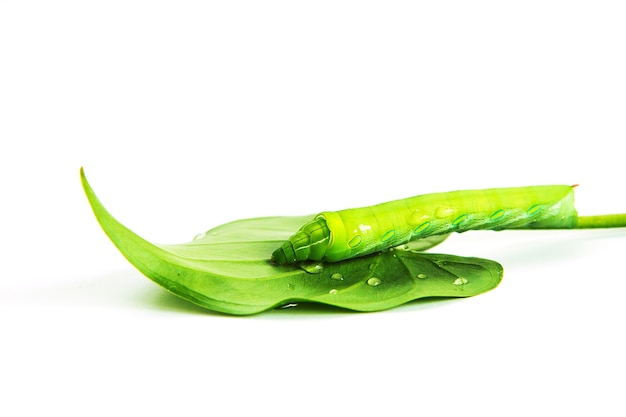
x=607 y=220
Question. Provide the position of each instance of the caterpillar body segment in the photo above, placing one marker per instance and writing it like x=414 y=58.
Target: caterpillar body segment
x=345 y=234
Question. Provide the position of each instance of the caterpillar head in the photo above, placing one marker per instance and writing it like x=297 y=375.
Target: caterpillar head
x=310 y=242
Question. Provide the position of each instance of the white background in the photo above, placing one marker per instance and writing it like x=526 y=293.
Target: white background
x=189 y=114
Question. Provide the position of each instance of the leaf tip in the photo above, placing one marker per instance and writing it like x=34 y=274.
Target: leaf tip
x=83 y=178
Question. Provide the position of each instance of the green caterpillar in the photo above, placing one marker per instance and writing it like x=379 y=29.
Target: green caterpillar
x=345 y=234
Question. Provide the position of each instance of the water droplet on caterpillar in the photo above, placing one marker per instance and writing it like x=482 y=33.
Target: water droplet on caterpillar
x=313 y=267
x=374 y=282
x=419 y=217
x=443 y=212
x=337 y=276
x=422 y=276
x=332 y=292
x=460 y=281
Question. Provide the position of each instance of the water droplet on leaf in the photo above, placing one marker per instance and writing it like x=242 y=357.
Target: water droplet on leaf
x=199 y=236
x=374 y=282
x=460 y=281
x=337 y=276
x=312 y=267
x=422 y=276
x=332 y=292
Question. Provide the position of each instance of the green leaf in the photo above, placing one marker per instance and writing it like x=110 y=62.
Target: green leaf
x=227 y=269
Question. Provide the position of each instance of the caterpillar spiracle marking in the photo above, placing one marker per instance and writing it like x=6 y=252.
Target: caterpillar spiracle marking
x=345 y=234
